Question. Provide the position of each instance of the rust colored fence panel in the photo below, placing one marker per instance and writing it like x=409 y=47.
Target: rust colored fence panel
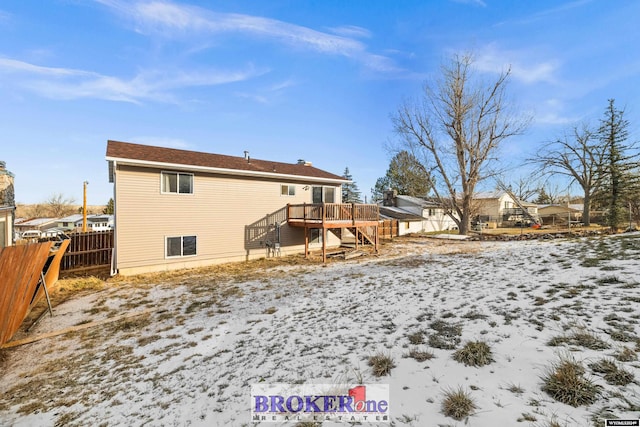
x=20 y=269
x=88 y=251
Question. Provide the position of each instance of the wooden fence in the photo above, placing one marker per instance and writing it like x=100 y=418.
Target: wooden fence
x=88 y=251
x=388 y=228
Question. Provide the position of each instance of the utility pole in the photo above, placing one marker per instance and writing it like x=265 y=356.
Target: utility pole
x=84 y=207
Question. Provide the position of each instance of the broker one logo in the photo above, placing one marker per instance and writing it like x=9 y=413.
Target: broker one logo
x=319 y=402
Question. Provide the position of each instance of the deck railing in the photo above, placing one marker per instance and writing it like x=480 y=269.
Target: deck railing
x=332 y=212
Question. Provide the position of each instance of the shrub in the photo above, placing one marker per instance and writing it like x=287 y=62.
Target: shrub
x=381 y=364
x=565 y=382
x=457 y=404
x=474 y=353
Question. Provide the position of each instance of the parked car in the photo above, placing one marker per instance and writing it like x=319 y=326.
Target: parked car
x=31 y=234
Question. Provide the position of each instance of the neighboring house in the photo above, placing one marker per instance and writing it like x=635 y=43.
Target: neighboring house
x=6 y=225
x=177 y=208
x=407 y=222
x=560 y=214
x=68 y=223
x=36 y=224
x=498 y=208
x=433 y=217
x=7 y=206
x=96 y=222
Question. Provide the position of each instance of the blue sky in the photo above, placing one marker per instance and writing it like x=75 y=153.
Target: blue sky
x=285 y=80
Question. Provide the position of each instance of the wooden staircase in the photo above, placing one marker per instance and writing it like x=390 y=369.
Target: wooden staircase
x=365 y=236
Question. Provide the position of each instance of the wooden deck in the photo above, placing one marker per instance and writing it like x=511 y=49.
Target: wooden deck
x=361 y=218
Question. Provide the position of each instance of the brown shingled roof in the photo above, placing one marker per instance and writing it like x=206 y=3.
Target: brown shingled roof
x=148 y=153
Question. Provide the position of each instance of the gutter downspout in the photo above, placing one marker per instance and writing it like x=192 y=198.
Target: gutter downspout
x=114 y=252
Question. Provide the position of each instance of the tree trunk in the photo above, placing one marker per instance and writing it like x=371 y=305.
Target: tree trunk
x=465 y=220
x=586 y=209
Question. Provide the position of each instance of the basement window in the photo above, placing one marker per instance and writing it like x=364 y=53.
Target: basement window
x=177 y=182
x=315 y=235
x=181 y=246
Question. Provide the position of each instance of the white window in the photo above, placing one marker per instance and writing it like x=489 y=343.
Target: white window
x=177 y=182
x=288 y=190
x=181 y=246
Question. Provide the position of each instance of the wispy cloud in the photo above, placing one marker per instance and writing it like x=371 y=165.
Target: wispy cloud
x=268 y=94
x=351 y=31
x=167 y=19
x=472 y=2
x=4 y=16
x=67 y=83
x=545 y=14
x=523 y=67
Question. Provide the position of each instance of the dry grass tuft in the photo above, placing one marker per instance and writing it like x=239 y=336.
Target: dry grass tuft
x=474 y=353
x=381 y=364
x=416 y=338
x=81 y=284
x=448 y=336
x=420 y=355
x=581 y=338
x=565 y=382
x=613 y=374
x=270 y=310
x=626 y=355
x=458 y=404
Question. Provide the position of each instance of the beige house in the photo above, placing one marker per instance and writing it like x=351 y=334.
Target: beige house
x=6 y=226
x=498 y=208
x=178 y=209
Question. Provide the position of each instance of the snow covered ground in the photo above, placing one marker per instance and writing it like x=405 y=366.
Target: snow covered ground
x=191 y=359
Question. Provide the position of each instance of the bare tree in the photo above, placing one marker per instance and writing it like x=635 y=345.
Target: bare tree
x=456 y=127
x=59 y=206
x=524 y=188
x=578 y=156
x=38 y=210
x=549 y=195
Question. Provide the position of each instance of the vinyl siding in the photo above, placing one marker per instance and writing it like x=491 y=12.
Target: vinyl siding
x=232 y=217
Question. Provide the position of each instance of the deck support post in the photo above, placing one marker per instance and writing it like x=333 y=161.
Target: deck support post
x=306 y=242
x=357 y=230
x=324 y=245
x=377 y=238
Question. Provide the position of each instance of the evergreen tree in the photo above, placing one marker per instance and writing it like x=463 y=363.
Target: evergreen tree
x=617 y=171
x=543 y=197
x=109 y=209
x=406 y=175
x=350 y=191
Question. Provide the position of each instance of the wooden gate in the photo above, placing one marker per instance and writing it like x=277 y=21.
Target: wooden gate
x=21 y=268
x=88 y=251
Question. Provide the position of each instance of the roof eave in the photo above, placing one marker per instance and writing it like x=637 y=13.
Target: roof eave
x=238 y=172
